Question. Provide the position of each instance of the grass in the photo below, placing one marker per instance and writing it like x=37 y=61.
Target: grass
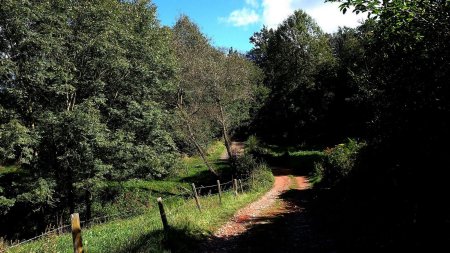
x=302 y=161
x=8 y=169
x=137 y=194
x=294 y=184
x=194 y=166
x=144 y=233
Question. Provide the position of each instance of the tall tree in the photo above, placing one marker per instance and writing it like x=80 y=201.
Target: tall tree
x=234 y=87
x=193 y=100
x=83 y=97
x=296 y=59
x=406 y=82
x=216 y=87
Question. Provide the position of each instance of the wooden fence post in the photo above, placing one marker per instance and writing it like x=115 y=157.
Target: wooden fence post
x=76 y=233
x=242 y=188
x=235 y=187
x=162 y=212
x=219 y=191
x=197 y=201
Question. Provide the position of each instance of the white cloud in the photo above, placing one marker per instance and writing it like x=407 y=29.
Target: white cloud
x=252 y=3
x=276 y=11
x=273 y=12
x=329 y=17
x=242 y=17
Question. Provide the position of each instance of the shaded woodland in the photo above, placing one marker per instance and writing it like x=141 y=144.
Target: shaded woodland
x=384 y=85
x=99 y=92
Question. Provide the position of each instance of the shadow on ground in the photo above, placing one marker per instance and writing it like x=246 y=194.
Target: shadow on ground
x=302 y=165
x=175 y=240
x=207 y=178
x=293 y=231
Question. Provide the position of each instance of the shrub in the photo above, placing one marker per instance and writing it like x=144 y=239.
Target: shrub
x=252 y=145
x=338 y=162
x=261 y=177
x=244 y=165
x=258 y=174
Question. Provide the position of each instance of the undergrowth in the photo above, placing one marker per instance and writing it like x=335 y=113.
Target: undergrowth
x=144 y=233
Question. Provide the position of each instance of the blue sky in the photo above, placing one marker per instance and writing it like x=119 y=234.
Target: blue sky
x=230 y=23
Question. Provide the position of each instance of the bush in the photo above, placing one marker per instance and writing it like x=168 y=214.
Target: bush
x=261 y=177
x=338 y=162
x=252 y=145
x=244 y=165
x=258 y=173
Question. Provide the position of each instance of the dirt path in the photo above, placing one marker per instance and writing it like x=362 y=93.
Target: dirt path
x=279 y=221
x=265 y=206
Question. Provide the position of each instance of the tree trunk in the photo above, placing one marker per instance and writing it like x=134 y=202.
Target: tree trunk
x=185 y=118
x=194 y=141
x=88 y=202
x=70 y=189
x=202 y=154
x=227 y=142
x=71 y=198
x=226 y=139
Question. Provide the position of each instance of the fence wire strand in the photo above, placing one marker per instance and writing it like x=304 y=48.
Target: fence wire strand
x=225 y=187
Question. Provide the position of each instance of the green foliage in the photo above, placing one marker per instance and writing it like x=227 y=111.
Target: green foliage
x=144 y=232
x=194 y=165
x=85 y=94
x=194 y=53
x=6 y=204
x=217 y=90
x=252 y=145
x=298 y=63
x=343 y=156
x=42 y=193
x=136 y=196
x=17 y=143
x=262 y=178
x=244 y=165
x=338 y=162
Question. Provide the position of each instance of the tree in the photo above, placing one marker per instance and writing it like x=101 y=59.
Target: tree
x=216 y=88
x=406 y=83
x=297 y=60
x=84 y=91
x=193 y=102
x=351 y=107
x=234 y=87
x=260 y=40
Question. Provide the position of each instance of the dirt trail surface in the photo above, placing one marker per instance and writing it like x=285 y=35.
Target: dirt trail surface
x=252 y=213
x=277 y=222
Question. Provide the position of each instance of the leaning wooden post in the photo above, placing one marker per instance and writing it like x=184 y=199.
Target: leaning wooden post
x=253 y=181
x=76 y=233
x=235 y=186
x=220 y=191
x=162 y=212
x=197 y=201
x=242 y=188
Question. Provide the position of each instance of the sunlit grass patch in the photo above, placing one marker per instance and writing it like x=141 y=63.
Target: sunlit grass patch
x=144 y=233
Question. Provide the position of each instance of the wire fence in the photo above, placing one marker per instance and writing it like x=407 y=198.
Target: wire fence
x=208 y=190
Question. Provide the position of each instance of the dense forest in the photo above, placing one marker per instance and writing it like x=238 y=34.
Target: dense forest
x=93 y=92
x=386 y=85
x=99 y=92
